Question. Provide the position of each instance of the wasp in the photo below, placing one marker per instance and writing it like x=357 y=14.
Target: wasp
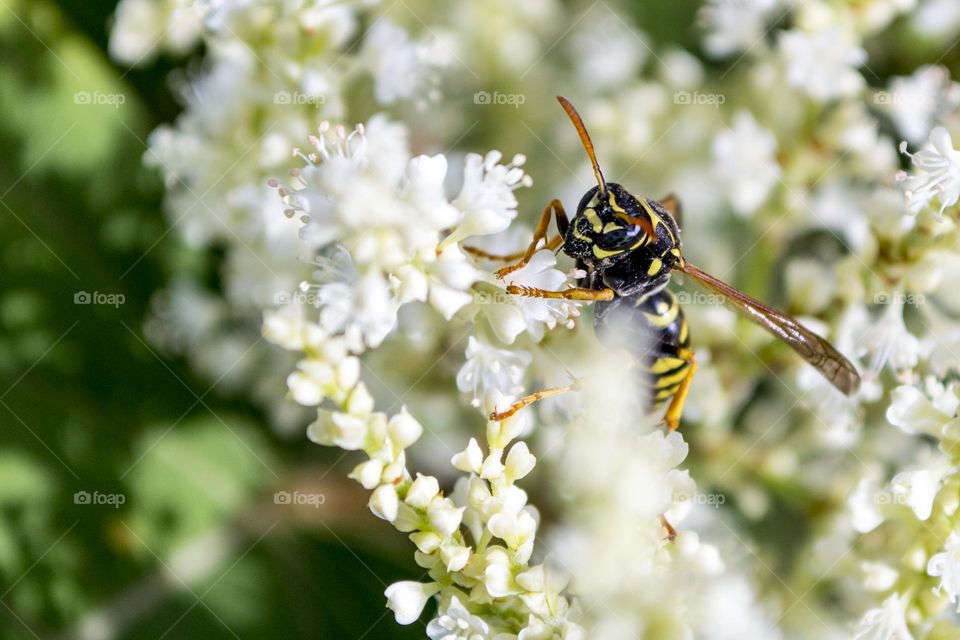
x=628 y=246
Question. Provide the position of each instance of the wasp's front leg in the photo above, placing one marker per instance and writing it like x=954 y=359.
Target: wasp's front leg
x=573 y=293
x=543 y=225
x=552 y=244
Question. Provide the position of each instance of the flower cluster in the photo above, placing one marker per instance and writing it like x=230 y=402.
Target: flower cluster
x=272 y=70
x=789 y=138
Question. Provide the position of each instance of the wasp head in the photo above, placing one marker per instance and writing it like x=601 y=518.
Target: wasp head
x=611 y=222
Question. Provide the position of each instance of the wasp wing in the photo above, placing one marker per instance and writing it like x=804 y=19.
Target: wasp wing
x=811 y=347
x=672 y=204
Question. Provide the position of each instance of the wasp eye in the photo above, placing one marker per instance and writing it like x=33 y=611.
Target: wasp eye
x=619 y=237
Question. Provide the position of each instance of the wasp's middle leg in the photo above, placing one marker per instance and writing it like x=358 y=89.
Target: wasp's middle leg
x=536 y=396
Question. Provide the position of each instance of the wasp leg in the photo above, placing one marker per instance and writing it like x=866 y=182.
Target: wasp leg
x=573 y=293
x=672 y=417
x=671 y=532
x=552 y=244
x=536 y=396
x=543 y=225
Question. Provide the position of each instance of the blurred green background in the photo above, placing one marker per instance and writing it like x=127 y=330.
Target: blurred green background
x=198 y=547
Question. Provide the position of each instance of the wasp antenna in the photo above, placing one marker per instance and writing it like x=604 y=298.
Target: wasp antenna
x=585 y=139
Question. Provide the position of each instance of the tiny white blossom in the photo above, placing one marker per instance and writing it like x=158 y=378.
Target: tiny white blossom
x=735 y=25
x=384 y=503
x=469 y=459
x=912 y=411
x=878 y=576
x=404 y=429
x=918 y=489
x=532 y=315
x=745 y=159
x=422 y=492
x=456 y=623
x=886 y=622
x=143 y=27
x=824 y=64
x=888 y=341
x=519 y=462
x=400 y=66
x=486 y=198
x=914 y=101
x=936 y=174
x=445 y=518
x=488 y=368
x=408 y=598
x=946 y=566
x=864 y=506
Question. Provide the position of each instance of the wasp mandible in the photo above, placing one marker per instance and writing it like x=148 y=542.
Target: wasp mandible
x=629 y=246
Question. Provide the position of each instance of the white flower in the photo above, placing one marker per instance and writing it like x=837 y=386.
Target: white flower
x=913 y=412
x=469 y=459
x=946 y=566
x=445 y=518
x=400 y=66
x=918 y=489
x=318 y=378
x=408 y=598
x=534 y=316
x=385 y=504
x=735 y=25
x=878 y=576
x=936 y=174
x=745 y=159
x=488 y=368
x=288 y=328
x=388 y=212
x=499 y=578
x=886 y=622
x=422 y=492
x=939 y=19
x=515 y=529
x=486 y=198
x=366 y=311
x=596 y=42
x=404 y=429
x=824 y=64
x=456 y=623
x=519 y=463
x=914 y=101
x=888 y=341
x=145 y=26
x=864 y=506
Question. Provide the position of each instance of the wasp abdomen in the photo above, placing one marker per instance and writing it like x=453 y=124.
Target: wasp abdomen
x=653 y=330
